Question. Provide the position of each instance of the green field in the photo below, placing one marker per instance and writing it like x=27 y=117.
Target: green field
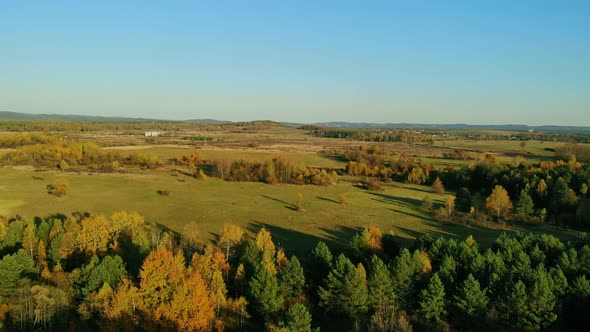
x=531 y=148
x=211 y=203
x=169 y=152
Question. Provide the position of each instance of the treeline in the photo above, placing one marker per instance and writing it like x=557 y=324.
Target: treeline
x=125 y=128
x=120 y=273
x=572 y=150
x=50 y=151
x=547 y=191
x=381 y=163
x=369 y=135
x=277 y=170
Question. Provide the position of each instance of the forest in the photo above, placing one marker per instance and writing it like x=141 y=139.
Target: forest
x=120 y=273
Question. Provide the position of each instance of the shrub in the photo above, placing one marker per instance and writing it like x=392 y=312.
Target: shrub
x=299 y=204
x=59 y=187
x=427 y=203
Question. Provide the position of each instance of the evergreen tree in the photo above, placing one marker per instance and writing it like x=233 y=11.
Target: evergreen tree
x=471 y=301
x=541 y=302
x=432 y=300
x=319 y=264
x=403 y=275
x=381 y=293
x=264 y=293
x=292 y=279
x=524 y=205
x=109 y=271
x=448 y=271
x=514 y=307
x=345 y=290
x=463 y=200
x=298 y=318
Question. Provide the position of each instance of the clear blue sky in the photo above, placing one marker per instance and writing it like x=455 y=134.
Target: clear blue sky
x=478 y=62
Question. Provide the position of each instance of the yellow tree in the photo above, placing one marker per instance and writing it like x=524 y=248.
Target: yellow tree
x=59 y=187
x=267 y=247
x=41 y=256
x=192 y=307
x=95 y=234
x=437 y=186
x=210 y=261
x=229 y=236
x=417 y=176
x=499 y=202
x=218 y=291
x=373 y=237
x=191 y=236
x=30 y=240
x=542 y=189
x=160 y=274
x=450 y=205
x=129 y=222
x=124 y=301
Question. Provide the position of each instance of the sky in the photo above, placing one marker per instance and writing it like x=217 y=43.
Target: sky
x=475 y=62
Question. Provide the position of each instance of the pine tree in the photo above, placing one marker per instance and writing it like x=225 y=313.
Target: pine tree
x=471 y=301
x=448 y=271
x=319 y=264
x=403 y=277
x=432 y=300
x=541 y=302
x=298 y=318
x=292 y=279
x=515 y=307
x=524 y=205
x=381 y=292
x=345 y=290
x=264 y=293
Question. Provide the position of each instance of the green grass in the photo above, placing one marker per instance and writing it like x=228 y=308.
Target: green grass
x=6 y=205
x=536 y=148
x=211 y=203
x=167 y=152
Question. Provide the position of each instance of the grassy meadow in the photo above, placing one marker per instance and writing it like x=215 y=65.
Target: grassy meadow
x=212 y=202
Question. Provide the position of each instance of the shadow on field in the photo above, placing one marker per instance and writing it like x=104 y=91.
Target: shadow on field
x=287 y=204
x=295 y=242
x=404 y=201
x=328 y=199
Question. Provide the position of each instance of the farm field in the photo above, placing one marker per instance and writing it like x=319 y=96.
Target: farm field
x=212 y=202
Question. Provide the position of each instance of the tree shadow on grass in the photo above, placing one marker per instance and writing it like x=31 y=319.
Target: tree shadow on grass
x=430 y=192
x=287 y=204
x=296 y=242
x=406 y=201
x=328 y=199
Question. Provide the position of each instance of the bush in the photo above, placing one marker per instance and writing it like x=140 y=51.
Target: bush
x=374 y=186
x=59 y=187
x=342 y=199
x=427 y=203
x=299 y=204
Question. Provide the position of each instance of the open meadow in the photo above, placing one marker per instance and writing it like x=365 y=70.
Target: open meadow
x=210 y=203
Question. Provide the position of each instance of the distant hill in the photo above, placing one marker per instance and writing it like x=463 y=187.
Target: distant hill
x=5 y=115
x=211 y=121
x=509 y=127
